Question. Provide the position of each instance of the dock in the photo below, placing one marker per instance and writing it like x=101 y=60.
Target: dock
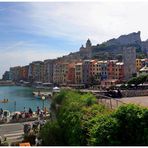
x=46 y=94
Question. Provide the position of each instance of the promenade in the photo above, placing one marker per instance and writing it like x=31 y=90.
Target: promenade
x=141 y=100
x=13 y=132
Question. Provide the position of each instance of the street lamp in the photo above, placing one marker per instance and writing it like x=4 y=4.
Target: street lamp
x=43 y=98
x=14 y=105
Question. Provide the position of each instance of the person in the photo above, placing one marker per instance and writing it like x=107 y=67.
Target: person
x=5 y=142
x=1 y=114
x=41 y=115
x=119 y=93
x=24 y=110
x=36 y=141
x=45 y=110
x=38 y=110
x=0 y=141
x=30 y=111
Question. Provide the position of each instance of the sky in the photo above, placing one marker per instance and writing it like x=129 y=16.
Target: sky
x=31 y=31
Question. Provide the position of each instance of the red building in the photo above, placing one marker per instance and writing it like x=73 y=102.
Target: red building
x=71 y=73
x=119 y=72
x=112 y=69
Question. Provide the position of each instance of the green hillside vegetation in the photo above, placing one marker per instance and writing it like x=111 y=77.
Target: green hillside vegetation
x=138 y=80
x=81 y=121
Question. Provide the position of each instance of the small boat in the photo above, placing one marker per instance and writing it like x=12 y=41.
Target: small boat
x=56 y=89
x=39 y=94
x=4 y=101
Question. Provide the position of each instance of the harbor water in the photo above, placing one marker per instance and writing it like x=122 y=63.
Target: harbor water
x=20 y=97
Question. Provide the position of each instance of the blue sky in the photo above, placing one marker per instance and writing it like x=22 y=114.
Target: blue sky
x=39 y=31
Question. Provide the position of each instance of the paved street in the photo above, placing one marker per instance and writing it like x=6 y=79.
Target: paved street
x=13 y=132
x=142 y=100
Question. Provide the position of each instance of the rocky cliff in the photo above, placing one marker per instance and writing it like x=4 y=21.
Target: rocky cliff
x=132 y=38
x=113 y=48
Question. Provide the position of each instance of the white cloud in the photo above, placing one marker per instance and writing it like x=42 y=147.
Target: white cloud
x=97 y=20
x=74 y=22
x=22 y=53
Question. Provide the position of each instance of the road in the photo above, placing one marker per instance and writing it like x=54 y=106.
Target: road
x=13 y=132
x=141 y=100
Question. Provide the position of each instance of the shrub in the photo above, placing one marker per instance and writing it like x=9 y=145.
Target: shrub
x=51 y=134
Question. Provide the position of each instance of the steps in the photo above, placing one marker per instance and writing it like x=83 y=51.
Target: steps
x=15 y=136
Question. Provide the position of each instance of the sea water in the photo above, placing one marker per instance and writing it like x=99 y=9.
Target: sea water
x=20 y=97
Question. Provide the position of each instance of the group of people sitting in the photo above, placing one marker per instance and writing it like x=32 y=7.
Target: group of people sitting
x=28 y=114
x=23 y=114
x=40 y=113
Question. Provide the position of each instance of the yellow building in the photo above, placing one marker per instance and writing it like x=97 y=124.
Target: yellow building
x=64 y=72
x=60 y=71
x=57 y=73
x=96 y=70
x=78 y=73
x=138 y=64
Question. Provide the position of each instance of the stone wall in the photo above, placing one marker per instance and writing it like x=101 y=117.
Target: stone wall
x=134 y=93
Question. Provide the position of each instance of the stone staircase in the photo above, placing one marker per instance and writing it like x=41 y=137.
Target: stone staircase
x=15 y=136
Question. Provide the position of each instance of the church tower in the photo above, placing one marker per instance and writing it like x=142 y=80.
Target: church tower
x=88 y=43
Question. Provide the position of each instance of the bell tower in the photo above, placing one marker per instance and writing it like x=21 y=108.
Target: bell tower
x=88 y=43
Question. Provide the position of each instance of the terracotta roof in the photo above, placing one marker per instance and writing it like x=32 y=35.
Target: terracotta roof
x=25 y=144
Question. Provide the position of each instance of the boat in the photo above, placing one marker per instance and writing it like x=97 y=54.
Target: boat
x=39 y=94
x=4 y=101
x=56 y=89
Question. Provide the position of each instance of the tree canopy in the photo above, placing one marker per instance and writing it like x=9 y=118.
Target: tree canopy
x=81 y=121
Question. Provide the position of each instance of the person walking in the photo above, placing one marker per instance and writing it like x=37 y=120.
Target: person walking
x=1 y=114
x=30 y=112
x=38 y=110
x=24 y=110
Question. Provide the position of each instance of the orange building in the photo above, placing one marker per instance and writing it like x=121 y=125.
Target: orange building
x=92 y=68
x=24 y=72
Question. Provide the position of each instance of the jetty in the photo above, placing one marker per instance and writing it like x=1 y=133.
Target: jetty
x=46 y=94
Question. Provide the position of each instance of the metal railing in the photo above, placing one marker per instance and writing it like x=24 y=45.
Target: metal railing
x=110 y=102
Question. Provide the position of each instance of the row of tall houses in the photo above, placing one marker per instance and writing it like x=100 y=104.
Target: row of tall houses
x=78 y=71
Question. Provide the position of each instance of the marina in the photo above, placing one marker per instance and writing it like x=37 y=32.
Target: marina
x=15 y=98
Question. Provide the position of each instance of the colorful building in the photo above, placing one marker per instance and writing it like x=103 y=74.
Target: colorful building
x=138 y=64
x=78 y=73
x=15 y=73
x=112 y=69
x=6 y=75
x=36 y=71
x=48 y=71
x=64 y=72
x=103 y=70
x=119 y=71
x=24 y=73
x=71 y=73
x=57 y=70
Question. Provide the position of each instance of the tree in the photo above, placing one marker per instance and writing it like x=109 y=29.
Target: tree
x=138 y=80
x=51 y=134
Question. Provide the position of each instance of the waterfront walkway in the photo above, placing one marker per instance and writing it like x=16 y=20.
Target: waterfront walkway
x=141 y=100
x=13 y=132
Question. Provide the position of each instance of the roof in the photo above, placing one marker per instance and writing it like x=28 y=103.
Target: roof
x=79 y=64
x=145 y=68
x=110 y=80
x=25 y=144
x=120 y=63
x=56 y=88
